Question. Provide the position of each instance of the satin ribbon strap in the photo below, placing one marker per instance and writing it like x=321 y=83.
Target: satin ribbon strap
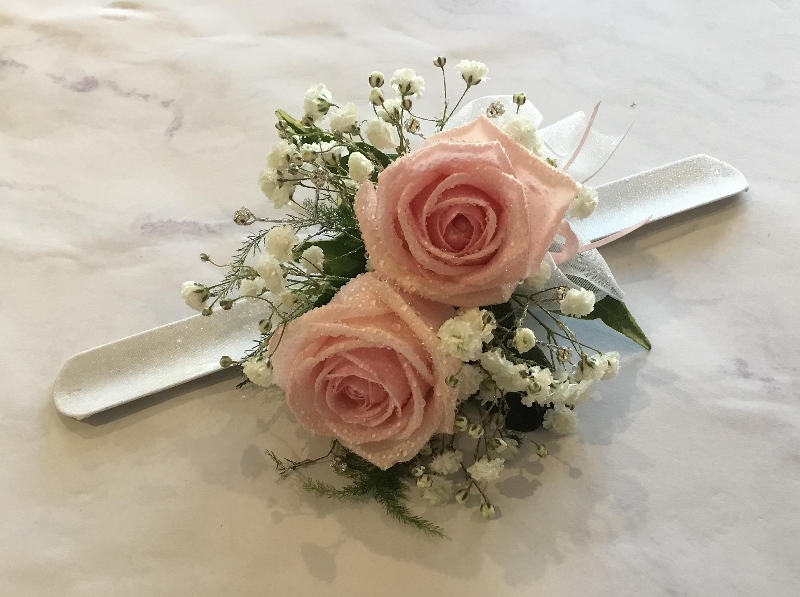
x=572 y=246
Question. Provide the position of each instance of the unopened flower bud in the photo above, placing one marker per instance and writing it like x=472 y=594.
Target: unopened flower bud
x=225 y=362
x=462 y=495
x=552 y=162
x=418 y=470
x=563 y=354
x=461 y=423
x=281 y=125
x=376 y=79
x=264 y=326
x=519 y=98
x=407 y=103
x=451 y=381
x=541 y=451
x=207 y=311
x=307 y=121
x=440 y=61
x=376 y=97
x=226 y=304
x=204 y=257
x=498 y=444
x=424 y=481
x=487 y=511
x=475 y=431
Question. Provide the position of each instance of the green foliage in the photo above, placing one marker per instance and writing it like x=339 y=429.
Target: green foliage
x=367 y=481
x=615 y=315
x=294 y=123
x=382 y=158
x=345 y=255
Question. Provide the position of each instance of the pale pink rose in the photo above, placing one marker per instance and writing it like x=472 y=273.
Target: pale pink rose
x=368 y=369
x=464 y=218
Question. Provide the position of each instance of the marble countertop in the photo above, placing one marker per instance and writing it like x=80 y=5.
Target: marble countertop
x=130 y=131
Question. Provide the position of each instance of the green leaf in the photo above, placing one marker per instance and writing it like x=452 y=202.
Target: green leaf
x=615 y=315
x=382 y=158
x=345 y=255
x=295 y=124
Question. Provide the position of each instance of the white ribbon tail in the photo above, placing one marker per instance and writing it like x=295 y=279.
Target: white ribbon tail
x=659 y=193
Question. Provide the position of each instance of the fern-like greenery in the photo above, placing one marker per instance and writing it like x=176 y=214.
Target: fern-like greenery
x=388 y=488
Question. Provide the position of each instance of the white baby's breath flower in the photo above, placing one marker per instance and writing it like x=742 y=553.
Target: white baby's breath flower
x=258 y=371
x=481 y=320
x=523 y=131
x=524 y=340
x=376 y=97
x=249 y=287
x=447 y=463
x=379 y=134
x=311 y=153
x=539 y=389
x=194 y=295
x=345 y=119
x=590 y=368
x=376 y=79
x=612 y=364
x=560 y=419
x=359 y=167
x=580 y=392
x=472 y=71
x=584 y=204
x=281 y=155
x=317 y=101
x=407 y=82
x=469 y=381
x=486 y=470
x=313 y=259
x=279 y=194
x=330 y=153
x=537 y=281
x=270 y=270
x=390 y=111
x=508 y=376
x=460 y=340
x=578 y=302
x=463 y=335
x=488 y=511
x=279 y=242
x=439 y=491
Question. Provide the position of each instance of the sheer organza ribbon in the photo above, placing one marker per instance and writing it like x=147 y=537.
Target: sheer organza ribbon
x=572 y=246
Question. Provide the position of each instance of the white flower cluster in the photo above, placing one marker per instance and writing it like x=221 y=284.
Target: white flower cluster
x=472 y=71
x=463 y=336
x=584 y=204
x=258 y=371
x=275 y=178
x=523 y=131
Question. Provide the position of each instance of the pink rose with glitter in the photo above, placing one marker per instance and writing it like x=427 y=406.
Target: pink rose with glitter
x=368 y=369
x=465 y=218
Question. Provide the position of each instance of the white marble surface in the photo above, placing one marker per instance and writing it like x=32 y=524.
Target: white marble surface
x=130 y=131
